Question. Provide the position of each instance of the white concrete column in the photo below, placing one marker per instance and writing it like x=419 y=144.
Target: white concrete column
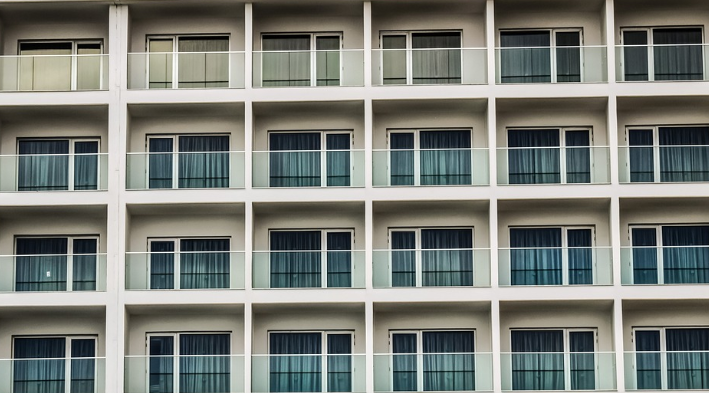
x=618 y=344
x=248 y=334
x=490 y=40
x=369 y=345
x=248 y=45
x=612 y=115
x=368 y=142
x=610 y=40
x=496 y=345
x=367 y=43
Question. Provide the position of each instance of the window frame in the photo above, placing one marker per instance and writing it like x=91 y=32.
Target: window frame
x=74 y=69
x=409 y=52
x=312 y=52
x=71 y=157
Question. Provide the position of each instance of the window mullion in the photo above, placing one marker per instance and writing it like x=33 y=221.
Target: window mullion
x=419 y=361
x=176 y=268
x=323 y=259
x=419 y=257
x=70 y=265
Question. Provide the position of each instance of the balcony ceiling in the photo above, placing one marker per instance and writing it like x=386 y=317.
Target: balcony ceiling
x=519 y=6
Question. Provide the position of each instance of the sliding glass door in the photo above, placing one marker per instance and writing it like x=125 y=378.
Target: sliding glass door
x=188 y=62
x=296 y=159
x=670 y=254
x=188 y=161
x=189 y=264
x=57 y=164
x=540 y=56
x=663 y=54
x=672 y=358
x=60 y=66
x=55 y=264
x=288 y=59
x=421 y=58
x=683 y=153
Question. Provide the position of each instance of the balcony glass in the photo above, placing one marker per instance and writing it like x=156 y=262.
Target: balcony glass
x=430 y=167
x=665 y=265
x=544 y=64
x=182 y=373
x=184 y=170
x=431 y=268
x=54 y=172
x=542 y=266
x=591 y=371
x=666 y=370
x=308 y=269
x=186 y=70
x=308 y=168
x=553 y=165
x=303 y=68
x=429 y=66
x=76 y=374
x=54 y=72
x=53 y=272
x=308 y=373
x=661 y=62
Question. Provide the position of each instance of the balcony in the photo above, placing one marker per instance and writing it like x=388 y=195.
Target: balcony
x=548 y=371
x=668 y=265
x=419 y=372
x=666 y=370
x=431 y=268
x=430 y=66
x=553 y=165
x=545 y=266
x=77 y=374
x=185 y=170
x=664 y=164
x=304 y=168
x=661 y=62
x=54 y=72
x=430 y=167
x=308 y=373
x=53 y=273
x=570 y=64
x=308 y=269
x=54 y=172
x=184 y=270
x=305 y=68
x=180 y=373
x=186 y=70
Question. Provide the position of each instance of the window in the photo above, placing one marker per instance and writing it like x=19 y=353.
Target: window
x=61 y=65
x=289 y=59
x=555 y=155
x=670 y=254
x=297 y=159
x=552 y=256
x=299 y=258
x=54 y=364
x=683 y=153
x=537 y=56
x=432 y=360
x=57 y=164
x=662 y=54
x=189 y=263
x=189 y=362
x=553 y=359
x=428 y=58
x=188 y=62
x=310 y=361
x=672 y=358
x=431 y=257
x=430 y=157
x=56 y=263
x=188 y=161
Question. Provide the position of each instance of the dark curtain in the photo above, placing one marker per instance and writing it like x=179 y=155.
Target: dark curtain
x=685 y=254
x=86 y=165
x=43 y=165
x=162 y=364
x=160 y=162
x=203 y=162
x=84 y=264
x=83 y=366
x=647 y=359
x=448 y=361
x=578 y=157
x=39 y=365
x=339 y=362
x=162 y=265
x=339 y=259
x=404 y=362
x=41 y=264
x=641 y=156
x=403 y=259
x=401 y=157
x=525 y=57
x=580 y=255
x=687 y=358
x=297 y=366
x=338 y=159
x=644 y=256
x=568 y=56
x=535 y=257
x=447 y=257
x=635 y=56
x=296 y=259
x=205 y=366
x=204 y=263
x=678 y=54
x=436 y=58
x=294 y=159
x=445 y=157
x=582 y=360
x=534 y=156
x=684 y=154
x=537 y=360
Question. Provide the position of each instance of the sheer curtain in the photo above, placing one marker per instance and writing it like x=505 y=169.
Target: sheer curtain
x=86 y=165
x=647 y=359
x=394 y=61
x=534 y=156
x=338 y=159
x=205 y=366
x=41 y=264
x=83 y=365
x=535 y=256
x=162 y=265
x=678 y=54
x=578 y=156
x=685 y=254
x=635 y=55
x=286 y=60
x=641 y=155
x=203 y=62
x=296 y=259
x=298 y=364
x=339 y=260
x=39 y=365
x=339 y=364
x=644 y=255
x=525 y=56
x=580 y=256
x=294 y=159
x=568 y=56
x=401 y=158
x=435 y=57
x=204 y=263
x=43 y=165
x=684 y=154
x=404 y=362
x=445 y=157
x=327 y=60
x=204 y=161
x=687 y=370
x=532 y=367
x=160 y=162
x=84 y=264
x=448 y=361
x=582 y=361
x=447 y=257
x=403 y=259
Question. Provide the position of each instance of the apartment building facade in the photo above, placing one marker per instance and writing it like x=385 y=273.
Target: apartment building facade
x=353 y=196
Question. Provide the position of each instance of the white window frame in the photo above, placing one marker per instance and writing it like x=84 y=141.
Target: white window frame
x=409 y=50
x=71 y=155
x=313 y=52
x=74 y=55
x=177 y=252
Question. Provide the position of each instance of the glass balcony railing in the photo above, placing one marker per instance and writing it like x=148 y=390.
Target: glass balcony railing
x=431 y=268
x=308 y=168
x=663 y=164
x=54 y=172
x=53 y=273
x=203 y=373
x=431 y=167
x=79 y=374
x=53 y=72
x=590 y=371
x=186 y=70
x=308 y=68
x=308 y=373
x=664 y=265
x=184 y=270
x=553 y=165
x=433 y=372
x=447 y=66
x=556 y=266
x=308 y=269
x=653 y=63
x=569 y=64
x=666 y=370
x=150 y=171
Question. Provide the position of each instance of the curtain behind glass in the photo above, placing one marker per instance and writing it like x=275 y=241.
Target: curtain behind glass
x=339 y=365
x=448 y=361
x=45 y=66
x=45 y=373
x=41 y=264
x=43 y=165
x=435 y=58
x=339 y=260
x=200 y=67
x=578 y=157
x=401 y=157
x=447 y=257
x=290 y=167
x=535 y=257
x=300 y=268
x=568 y=56
x=338 y=159
x=533 y=156
x=286 y=60
x=687 y=370
x=537 y=370
x=394 y=59
x=685 y=254
x=83 y=371
x=84 y=264
x=445 y=157
x=580 y=255
x=635 y=56
x=162 y=366
x=647 y=359
x=582 y=360
x=160 y=162
x=403 y=259
x=162 y=265
x=525 y=56
x=641 y=155
x=204 y=363
x=301 y=372
x=678 y=54
x=160 y=63
x=327 y=60
x=204 y=161
x=202 y=265
x=89 y=71
x=644 y=255
x=404 y=362
x=86 y=165
x=684 y=154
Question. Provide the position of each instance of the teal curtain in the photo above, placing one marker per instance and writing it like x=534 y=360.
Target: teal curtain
x=568 y=56
x=403 y=259
x=296 y=259
x=86 y=165
x=162 y=364
x=205 y=365
x=578 y=156
x=535 y=257
x=401 y=157
x=582 y=362
x=447 y=257
x=448 y=361
x=678 y=53
x=83 y=366
x=339 y=362
x=685 y=254
x=286 y=60
x=533 y=156
x=525 y=56
x=203 y=161
x=160 y=162
x=162 y=265
x=404 y=362
x=641 y=156
x=294 y=159
x=204 y=263
x=445 y=157
x=644 y=255
x=297 y=364
x=537 y=360
x=39 y=365
x=41 y=264
x=436 y=58
x=647 y=359
x=580 y=256
x=684 y=154
x=338 y=159
x=635 y=56
x=85 y=264
x=687 y=358
x=339 y=260
x=43 y=165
